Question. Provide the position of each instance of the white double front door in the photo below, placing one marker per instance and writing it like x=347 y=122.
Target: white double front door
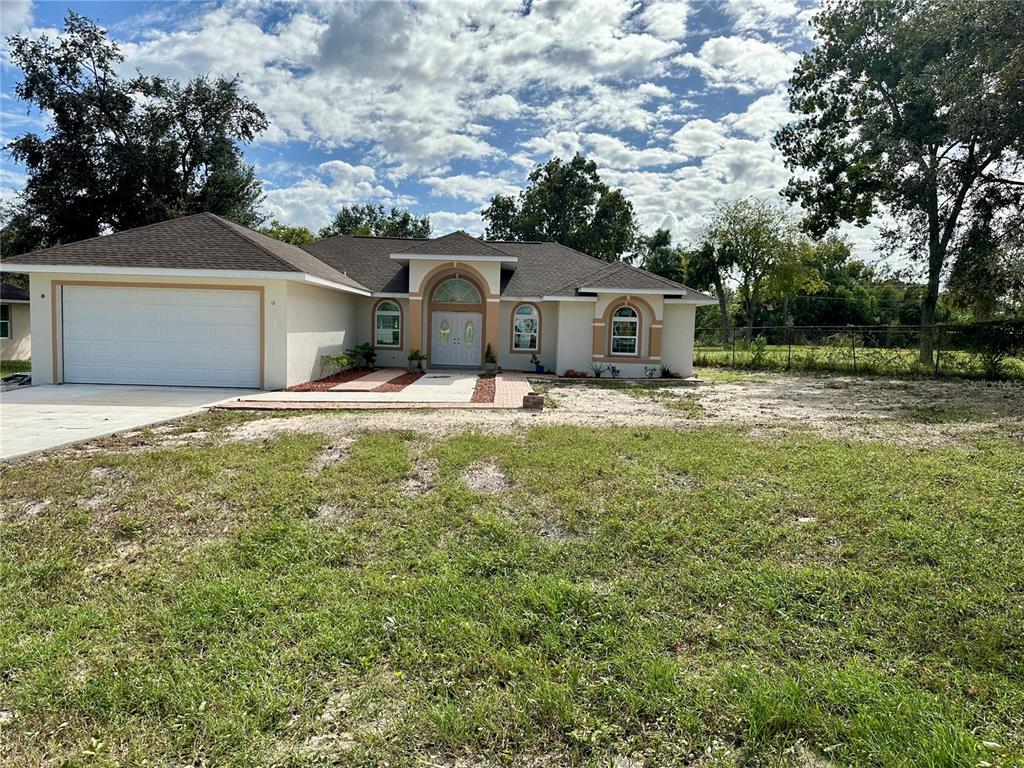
x=455 y=339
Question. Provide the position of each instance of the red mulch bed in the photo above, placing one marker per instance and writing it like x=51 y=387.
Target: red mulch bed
x=320 y=385
x=398 y=384
x=483 y=392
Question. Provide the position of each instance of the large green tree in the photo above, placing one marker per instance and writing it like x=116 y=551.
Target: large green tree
x=372 y=220
x=118 y=152
x=753 y=236
x=569 y=204
x=287 y=233
x=914 y=108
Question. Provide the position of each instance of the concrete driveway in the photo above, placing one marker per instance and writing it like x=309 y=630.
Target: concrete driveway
x=34 y=419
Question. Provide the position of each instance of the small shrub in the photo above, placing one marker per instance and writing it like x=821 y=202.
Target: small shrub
x=615 y=372
x=362 y=355
x=649 y=371
x=598 y=369
x=572 y=373
x=331 y=364
x=758 y=350
x=668 y=373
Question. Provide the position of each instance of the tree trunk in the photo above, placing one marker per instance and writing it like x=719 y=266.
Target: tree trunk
x=723 y=305
x=936 y=258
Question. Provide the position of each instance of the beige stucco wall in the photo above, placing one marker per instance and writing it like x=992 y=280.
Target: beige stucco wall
x=575 y=335
x=320 y=322
x=19 y=345
x=520 y=361
x=677 y=338
x=488 y=270
x=275 y=306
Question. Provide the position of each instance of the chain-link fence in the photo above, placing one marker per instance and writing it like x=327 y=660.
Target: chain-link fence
x=874 y=349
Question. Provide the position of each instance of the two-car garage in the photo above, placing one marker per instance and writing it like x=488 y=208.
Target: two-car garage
x=172 y=336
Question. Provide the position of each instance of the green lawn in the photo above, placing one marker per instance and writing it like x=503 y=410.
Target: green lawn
x=662 y=595
x=7 y=367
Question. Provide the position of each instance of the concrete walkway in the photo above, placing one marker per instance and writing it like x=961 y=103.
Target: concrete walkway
x=433 y=387
x=38 y=418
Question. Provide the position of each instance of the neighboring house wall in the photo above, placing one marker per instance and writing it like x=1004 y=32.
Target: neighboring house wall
x=43 y=312
x=677 y=339
x=320 y=322
x=548 y=354
x=19 y=345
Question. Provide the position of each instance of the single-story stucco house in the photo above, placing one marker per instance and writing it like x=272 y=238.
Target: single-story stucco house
x=203 y=301
x=15 y=339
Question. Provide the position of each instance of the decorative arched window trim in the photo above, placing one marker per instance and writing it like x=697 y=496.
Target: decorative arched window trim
x=517 y=350
x=636 y=321
x=382 y=310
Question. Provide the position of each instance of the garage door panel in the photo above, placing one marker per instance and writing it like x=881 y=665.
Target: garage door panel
x=184 y=336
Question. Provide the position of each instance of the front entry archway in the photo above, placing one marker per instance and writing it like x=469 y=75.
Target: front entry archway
x=456 y=311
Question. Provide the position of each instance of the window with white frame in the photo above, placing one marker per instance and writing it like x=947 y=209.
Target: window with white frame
x=625 y=331
x=388 y=321
x=526 y=329
x=5 y=321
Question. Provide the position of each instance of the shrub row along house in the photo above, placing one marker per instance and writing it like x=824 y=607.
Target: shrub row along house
x=203 y=301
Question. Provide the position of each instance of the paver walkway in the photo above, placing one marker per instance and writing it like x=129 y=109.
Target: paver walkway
x=436 y=389
x=370 y=380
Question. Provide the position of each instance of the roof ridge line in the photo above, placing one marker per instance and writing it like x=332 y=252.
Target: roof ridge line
x=224 y=223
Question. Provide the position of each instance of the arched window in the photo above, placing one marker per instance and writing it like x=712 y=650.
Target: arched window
x=456 y=291
x=526 y=329
x=625 y=331
x=387 y=319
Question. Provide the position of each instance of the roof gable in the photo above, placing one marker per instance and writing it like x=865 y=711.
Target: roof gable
x=453 y=244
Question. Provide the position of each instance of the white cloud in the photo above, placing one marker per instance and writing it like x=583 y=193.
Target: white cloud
x=477 y=188
x=15 y=16
x=699 y=138
x=666 y=19
x=762 y=117
x=443 y=222
x=778 y=18
x=741 y=63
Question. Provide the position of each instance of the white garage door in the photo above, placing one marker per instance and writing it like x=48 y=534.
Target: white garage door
x=171 y=336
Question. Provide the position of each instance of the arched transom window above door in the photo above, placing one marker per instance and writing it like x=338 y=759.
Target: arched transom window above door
x=456 y=291
x=387 y=319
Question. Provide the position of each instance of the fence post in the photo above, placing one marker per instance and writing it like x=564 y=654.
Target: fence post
x=733 y=347
x=853 y=346
x=789 y=353
x=938 y=349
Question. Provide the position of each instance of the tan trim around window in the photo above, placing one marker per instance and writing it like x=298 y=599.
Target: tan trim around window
x=401 y=324
x=512 y=330
x=59 y=284
x=603 y=342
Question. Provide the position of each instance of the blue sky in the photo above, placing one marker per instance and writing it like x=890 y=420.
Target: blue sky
x=438 y=105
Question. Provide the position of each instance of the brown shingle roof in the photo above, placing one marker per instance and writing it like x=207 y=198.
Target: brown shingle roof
x=453 y=244
x=10 y=292
x=202 y=241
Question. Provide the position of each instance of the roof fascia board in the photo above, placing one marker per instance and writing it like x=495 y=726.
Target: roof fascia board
x=237 y=274
x=569 y=298
x=405 y=256
x=635 y=291
x=15 y=301
x=522 y=298
x=699 y=299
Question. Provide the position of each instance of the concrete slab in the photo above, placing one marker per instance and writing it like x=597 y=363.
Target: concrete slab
x=39 y=418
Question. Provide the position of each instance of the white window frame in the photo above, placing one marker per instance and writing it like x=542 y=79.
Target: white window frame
x=634 y=337
x=464 y=281
x=534 y=315
x=379 y=312
x=6 y=331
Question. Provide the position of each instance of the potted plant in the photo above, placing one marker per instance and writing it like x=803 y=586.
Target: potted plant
x=535 y=362
x=490 y=361
x=416 y=359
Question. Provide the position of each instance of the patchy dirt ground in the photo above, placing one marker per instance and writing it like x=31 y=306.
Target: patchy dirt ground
x=913 y=412
x=916 y=412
